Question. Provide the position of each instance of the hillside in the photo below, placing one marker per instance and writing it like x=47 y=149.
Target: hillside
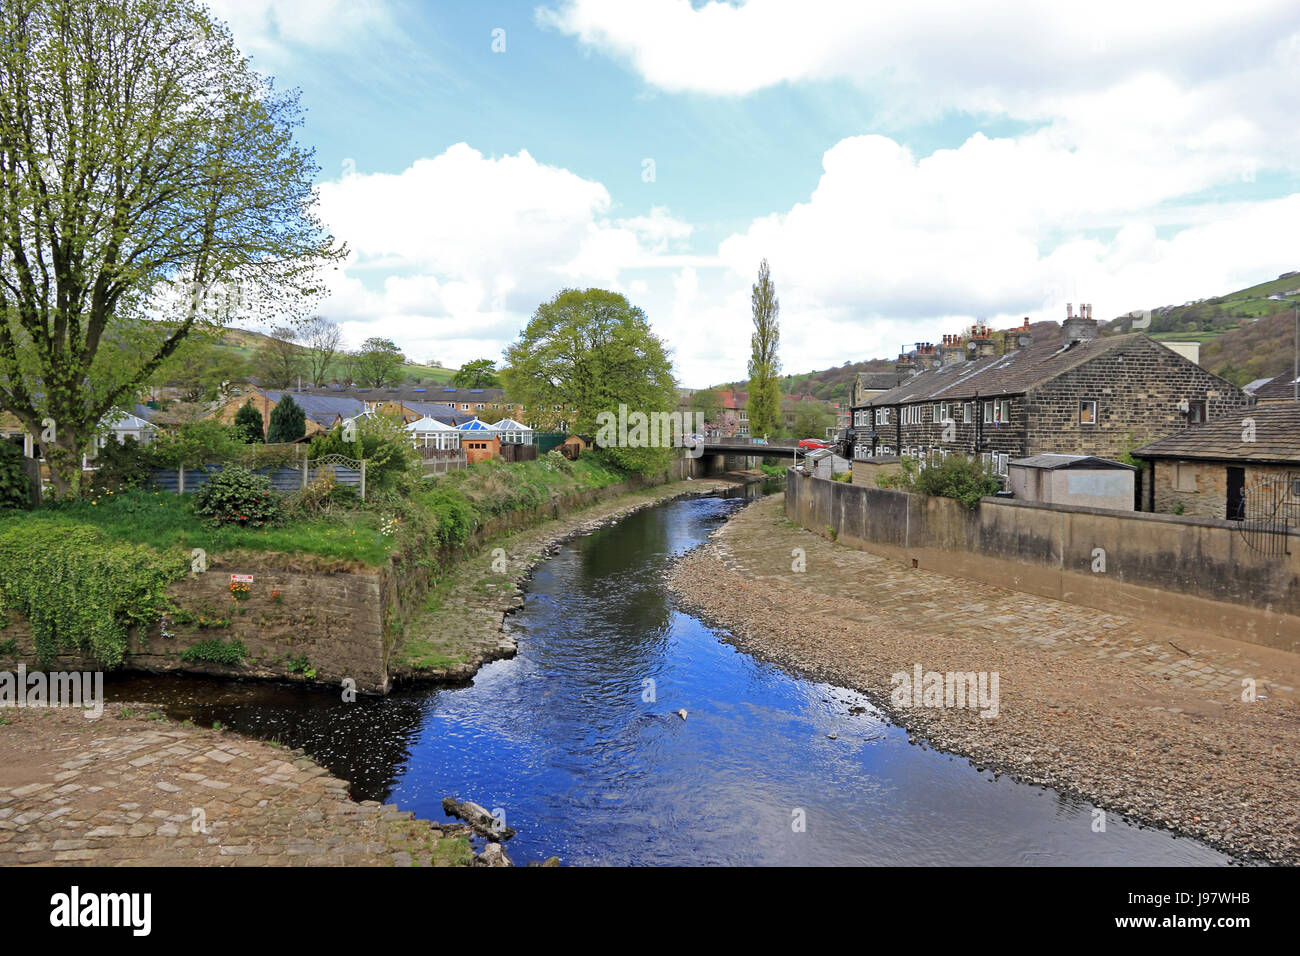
x=244 y=343
x=830 y=384
x=1244 y=334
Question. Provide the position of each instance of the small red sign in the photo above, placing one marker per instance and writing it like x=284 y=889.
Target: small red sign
x=241 y=579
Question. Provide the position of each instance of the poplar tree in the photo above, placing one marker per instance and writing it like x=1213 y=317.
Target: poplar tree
x=764 y=404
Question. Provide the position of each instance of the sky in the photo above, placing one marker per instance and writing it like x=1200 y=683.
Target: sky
x=906 y=168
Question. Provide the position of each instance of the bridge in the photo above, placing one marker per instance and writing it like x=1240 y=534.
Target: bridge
x=746 y=447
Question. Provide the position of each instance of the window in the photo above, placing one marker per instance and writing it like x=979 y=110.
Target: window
x=937 y=413
x=1087 y=413
x=465 y=407
x=1001 y=412
x=1184 y=477
x=988 y=413
x=1196 y=413
x=968 y=413
x=480 y=406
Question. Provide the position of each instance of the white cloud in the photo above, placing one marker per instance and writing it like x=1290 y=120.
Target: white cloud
x=272 y=28
x=452 y=255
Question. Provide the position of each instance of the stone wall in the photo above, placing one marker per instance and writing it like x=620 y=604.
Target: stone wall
x=1208 y=498
x=340 y=622
x=1137 y=389
x=1195 y=571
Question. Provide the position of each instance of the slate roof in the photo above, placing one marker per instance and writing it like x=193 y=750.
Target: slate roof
x=1281 y=386
x=324 y=410
x=1052 y=462
x=443 y=413
x=880 y=381
x=409 y=393
x=1277 y=437
x=1011 y=374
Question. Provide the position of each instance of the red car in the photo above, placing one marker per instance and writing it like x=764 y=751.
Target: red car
x=812 y=444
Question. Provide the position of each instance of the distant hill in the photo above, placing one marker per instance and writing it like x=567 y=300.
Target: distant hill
x=1244 y=335
x=245 y=342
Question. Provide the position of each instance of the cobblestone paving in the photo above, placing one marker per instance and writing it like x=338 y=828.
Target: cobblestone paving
x=122 y=791
x=1139 y=717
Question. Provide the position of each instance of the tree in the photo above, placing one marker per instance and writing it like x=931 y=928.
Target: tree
x=764 y=406
x=200 y=369
x=378 y=363
x=288 y=421
x=279 y=360
x=146 y=171
x=587 y=352
x=708 y=403
x=480 y=373
x=811 y=419
x=322 y=339
x=248 y=423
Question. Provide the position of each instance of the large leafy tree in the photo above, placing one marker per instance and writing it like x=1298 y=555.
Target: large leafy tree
x=379 y=363
x=708 y=403
x=150 y=186
x=480 y=373
x=322 y=339
x=764 y=406
x=586 y=352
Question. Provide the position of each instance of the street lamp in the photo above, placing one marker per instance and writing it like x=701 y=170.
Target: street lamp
x=1295 y=382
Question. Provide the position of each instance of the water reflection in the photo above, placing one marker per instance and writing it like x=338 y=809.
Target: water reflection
x=579 y=742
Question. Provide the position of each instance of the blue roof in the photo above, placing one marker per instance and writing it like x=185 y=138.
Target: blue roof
x=474 y=425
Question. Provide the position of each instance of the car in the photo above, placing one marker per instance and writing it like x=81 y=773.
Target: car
x=813 y=444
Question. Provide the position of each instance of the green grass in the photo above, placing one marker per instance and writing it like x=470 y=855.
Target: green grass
x=496 y=487
x=163 y=520
x=453 y=851
x=245 y=344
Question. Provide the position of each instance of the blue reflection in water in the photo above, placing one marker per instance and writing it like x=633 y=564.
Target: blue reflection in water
x=578 y=740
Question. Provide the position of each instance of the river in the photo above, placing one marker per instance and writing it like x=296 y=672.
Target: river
x=578 y=740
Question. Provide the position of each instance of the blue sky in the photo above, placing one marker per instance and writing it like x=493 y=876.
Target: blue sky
x=904 y=169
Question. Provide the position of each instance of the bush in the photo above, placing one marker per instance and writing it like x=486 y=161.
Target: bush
x=196 y=443
x=958 y=477
x=122 y=465
x=385 y=445
x=215 y=651
x=15 y=486
x=322 y=494
x=239 y=497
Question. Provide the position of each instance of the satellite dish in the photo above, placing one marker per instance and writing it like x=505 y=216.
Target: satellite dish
x=1023 y=340
x=970 y=346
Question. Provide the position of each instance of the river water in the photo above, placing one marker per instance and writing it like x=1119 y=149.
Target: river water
x=578 y=741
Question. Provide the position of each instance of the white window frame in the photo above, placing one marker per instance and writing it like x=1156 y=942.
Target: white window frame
x=988 y=414
x=1096 y=411
x=967 y=413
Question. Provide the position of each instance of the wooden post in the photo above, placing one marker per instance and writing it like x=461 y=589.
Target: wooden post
x=305 y=480
x=363 y=479
x=180 y=480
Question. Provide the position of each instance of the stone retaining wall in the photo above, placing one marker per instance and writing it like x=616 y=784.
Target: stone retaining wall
x=1194 y=571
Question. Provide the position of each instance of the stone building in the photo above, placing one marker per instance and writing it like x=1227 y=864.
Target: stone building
x=1282 y=388
x=1039 y=389
x=1209 y=470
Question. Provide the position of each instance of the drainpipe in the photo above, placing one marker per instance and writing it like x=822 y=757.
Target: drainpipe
x=898 y=428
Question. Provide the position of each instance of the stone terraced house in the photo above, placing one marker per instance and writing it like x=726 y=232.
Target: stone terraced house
x=1038 y=389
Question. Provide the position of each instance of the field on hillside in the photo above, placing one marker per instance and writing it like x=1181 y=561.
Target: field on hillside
x=244 y=344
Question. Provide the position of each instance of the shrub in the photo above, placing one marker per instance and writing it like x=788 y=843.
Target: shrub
x=15 y=486
x=196 y=443
x=322 y=494
x=122 y=465
x=239 y=497
x=215 y=651
x=958 y=477
x=288 y=422
x=555 y=461
x=382 y=441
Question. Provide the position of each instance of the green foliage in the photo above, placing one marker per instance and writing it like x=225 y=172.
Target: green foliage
x=588 y=351
x=288 y=421
x=385 y=445
x=196 y=443
x=121 y=465
x=215 y=651
x=379 y=363
x=964 y=479
x=15 y=486
x=764 y=404
x=300 y=665
x=237 y=496
x=454 y=515
x=148 y=169
x=480 y=373
x=80 y=591
x=248 y=423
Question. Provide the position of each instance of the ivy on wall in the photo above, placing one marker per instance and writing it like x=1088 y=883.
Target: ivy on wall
x=81 y=592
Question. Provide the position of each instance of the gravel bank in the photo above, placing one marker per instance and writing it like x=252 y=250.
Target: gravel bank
x=1082 y=706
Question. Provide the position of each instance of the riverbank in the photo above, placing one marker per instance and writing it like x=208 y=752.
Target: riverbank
x=132 y=788
x=460 y=628
x=1141 y=719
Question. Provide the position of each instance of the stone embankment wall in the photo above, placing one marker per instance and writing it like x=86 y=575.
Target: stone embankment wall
x=307 y=618
x=1197 y=572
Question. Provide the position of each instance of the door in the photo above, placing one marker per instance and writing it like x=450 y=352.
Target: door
x=1236 y=493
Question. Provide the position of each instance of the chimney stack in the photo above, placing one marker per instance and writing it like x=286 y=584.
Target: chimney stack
x=952 y=350
x=1080 y=328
